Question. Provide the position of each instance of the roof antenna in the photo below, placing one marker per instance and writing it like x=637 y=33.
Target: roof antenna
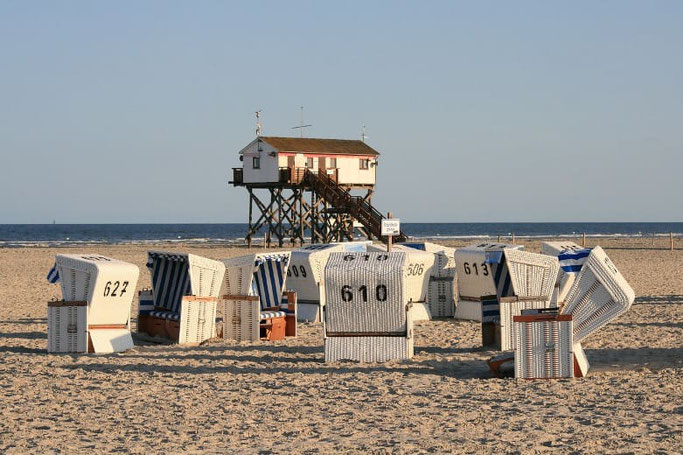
x=259 y=125
x=301 y=126
x=363 y=136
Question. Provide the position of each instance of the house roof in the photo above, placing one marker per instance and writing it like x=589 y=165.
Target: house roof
x=320 y=146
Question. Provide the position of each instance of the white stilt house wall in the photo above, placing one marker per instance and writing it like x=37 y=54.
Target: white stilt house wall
x=476 y=266
x=368 y=305
x=94 y=315
x=306 y=275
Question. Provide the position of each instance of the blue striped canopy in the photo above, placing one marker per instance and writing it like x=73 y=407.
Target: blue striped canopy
x=170 y=279
x=269 y=279
x=572 y=260
x=53 y=275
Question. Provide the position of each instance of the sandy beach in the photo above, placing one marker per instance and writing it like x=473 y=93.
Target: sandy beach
x=282 y=397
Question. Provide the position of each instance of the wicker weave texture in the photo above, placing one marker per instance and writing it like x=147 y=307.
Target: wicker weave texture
x=197 y=320
x=108 y=285
x=510 y=309
x=67 y=329
x=543 y=349
x=531 y=274
x=365 y=292
x=241 y=320
x=368 y=349
x=599 y=295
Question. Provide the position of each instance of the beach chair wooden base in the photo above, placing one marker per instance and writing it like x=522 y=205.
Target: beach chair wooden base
x=159 y=327
x=273 y=329
x=195 y=324
x=495 y=363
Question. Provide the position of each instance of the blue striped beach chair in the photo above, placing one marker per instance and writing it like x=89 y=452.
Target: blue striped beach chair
x=253 y=296
x=182 y=303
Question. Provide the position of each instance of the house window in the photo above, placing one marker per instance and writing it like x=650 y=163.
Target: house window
x=332 y=163
x=309 y=163
x=364 y=163
x=257 y=162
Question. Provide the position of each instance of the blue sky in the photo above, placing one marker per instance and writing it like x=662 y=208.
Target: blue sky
x=483 y=111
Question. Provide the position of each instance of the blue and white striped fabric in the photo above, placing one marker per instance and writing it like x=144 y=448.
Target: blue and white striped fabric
x=572 y=260
x=166 y=315
x=490 y=309
x=272 y=314
x=269 y=279
x=501 y=277
x=146 y=306
x=170 y=279
x=53 y=275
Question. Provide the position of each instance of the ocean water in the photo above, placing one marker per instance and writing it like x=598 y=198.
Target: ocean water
x=18 y=235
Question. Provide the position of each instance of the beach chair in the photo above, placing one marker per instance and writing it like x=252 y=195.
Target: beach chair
x=305 y=275
x=522 y=281
x=441 y=295
x=421 y=266
x=598 y=295
x=476 y=266
x=544 y=346
x=94 y=313
x=254 y=301
x=369 y=301
x=571 y=257
x=181 y=306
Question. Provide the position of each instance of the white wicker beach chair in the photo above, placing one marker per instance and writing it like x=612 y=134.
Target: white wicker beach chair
x=368 y=315
x=441 y=295
x=523 y=281
x=598 y=295
x=305 y=275
x=544 y=346
x=181 y=305
x=255 y=303
x=476 y=266
x=94 y=315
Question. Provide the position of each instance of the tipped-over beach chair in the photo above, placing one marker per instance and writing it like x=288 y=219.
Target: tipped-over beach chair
x=571 y=257
x=368 y=314
x=441 y=295
x=305 y=275
x=544 y=347
x=598 y=295
x=476 y=267
x=255 y=305
x=181 y=305
x=523 y=281
x=94 y=315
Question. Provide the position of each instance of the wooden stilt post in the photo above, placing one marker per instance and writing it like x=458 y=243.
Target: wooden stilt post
x=498 y=241
x=513 y=238
x=671 y=240
x=583 y=240
x=251 y=205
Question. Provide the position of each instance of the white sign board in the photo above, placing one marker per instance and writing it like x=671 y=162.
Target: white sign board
x=391 y=226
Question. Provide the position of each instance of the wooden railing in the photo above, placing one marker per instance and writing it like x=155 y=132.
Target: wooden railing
x=356 y=206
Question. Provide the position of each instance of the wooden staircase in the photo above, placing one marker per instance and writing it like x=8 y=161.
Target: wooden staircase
x=356 y=206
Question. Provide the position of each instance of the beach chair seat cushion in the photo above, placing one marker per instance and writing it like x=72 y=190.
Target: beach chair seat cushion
x=273 y=314
x=165 y=315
